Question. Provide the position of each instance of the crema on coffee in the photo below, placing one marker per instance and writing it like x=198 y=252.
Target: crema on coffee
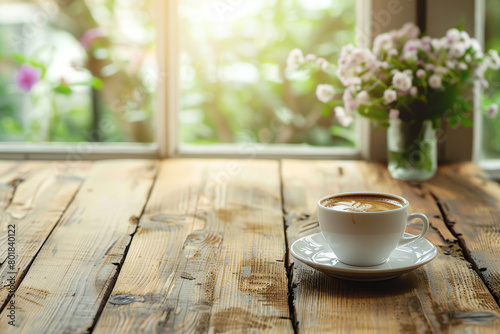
x=363 y=203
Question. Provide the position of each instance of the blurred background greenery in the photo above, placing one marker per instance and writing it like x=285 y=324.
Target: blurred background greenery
x=491 y=127
x=235 y=87
x=97 y=59
x=99 y=71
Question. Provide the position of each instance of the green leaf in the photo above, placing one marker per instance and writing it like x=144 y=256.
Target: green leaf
x=95 y=83
x=452 y=121
x=325 y=111
x=373 y=112
x=467 y=122
x=63 y=89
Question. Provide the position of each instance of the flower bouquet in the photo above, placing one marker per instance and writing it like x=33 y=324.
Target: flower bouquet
x=408 y=83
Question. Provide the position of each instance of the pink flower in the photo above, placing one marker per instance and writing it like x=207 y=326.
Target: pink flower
x=88 y=37
x=493 y=110
x=393 y=114
x=420 y=73
x=27 y=77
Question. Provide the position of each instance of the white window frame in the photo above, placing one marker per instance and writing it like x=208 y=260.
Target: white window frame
x=490 y=166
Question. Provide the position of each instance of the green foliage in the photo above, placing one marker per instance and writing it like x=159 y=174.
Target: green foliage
x=234 y=78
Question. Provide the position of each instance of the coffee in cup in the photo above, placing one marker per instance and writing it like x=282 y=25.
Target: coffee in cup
x=362 y=203
x=364 y=228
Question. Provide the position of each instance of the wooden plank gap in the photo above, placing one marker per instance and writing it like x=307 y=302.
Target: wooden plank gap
x=288 y=265
x=461 y=243
x=134 y=220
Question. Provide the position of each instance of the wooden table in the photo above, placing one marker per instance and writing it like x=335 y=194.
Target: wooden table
x=195 y=246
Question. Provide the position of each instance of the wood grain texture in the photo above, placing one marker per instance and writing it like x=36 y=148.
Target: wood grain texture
x=443 y=296
x=470 y=201
x=208 y=254
x=41 y=195
x=70 y=277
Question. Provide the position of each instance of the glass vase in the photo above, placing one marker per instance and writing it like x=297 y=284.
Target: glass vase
x=412 y=150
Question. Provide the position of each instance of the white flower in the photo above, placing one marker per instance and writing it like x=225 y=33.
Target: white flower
x=451 y=64
x=346 y=50
x=353 y=81
x=429 y=67
x=476 y=47
x=382 y=42
x=465 y=39
x=401 y=81
x=493 y=60
x=479 y=73
x=382 y=64
x=295 y=59
x=390 y=95
x=414 y=91
x=350 y=104
x=325 y=66
x=493 y=110
x=393 y=114
x=426 y=43
x=462 y=66
x=363 y=98
x=457 y=50
x=435 y=81
x=412 y=45
x=440 y=70
x=325 y=93
x=437 y=44
x=409 y=30
x=343 y=75
x=410 y=56
x=420 y=73
x=452 y=36
x=468 y=58
x=311 y=57
x=343 y=117
x=392 y=53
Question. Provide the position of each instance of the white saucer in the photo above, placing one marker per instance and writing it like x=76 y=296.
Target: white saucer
x=312 y=250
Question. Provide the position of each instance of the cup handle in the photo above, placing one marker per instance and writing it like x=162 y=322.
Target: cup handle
x=425 y=228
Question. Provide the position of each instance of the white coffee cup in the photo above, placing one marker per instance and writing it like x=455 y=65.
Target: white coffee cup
x=367 y=238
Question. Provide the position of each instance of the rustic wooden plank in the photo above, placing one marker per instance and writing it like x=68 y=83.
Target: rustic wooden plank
x=208 y=254
x=445 y=295
x=9 y=178
x=471 y=201
x=70 y=277
x=42 y=194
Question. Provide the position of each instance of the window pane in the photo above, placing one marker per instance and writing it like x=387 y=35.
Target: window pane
x=491 y=127
x=82 y=70
x=233 y=58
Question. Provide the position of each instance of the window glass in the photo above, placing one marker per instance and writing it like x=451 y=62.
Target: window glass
x=234 y=82
x=491 y=95
x=73 y=71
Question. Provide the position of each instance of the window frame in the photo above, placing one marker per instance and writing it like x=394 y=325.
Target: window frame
x=490 y=166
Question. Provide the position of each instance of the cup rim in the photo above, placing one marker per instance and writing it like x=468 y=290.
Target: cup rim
x=404 y=200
